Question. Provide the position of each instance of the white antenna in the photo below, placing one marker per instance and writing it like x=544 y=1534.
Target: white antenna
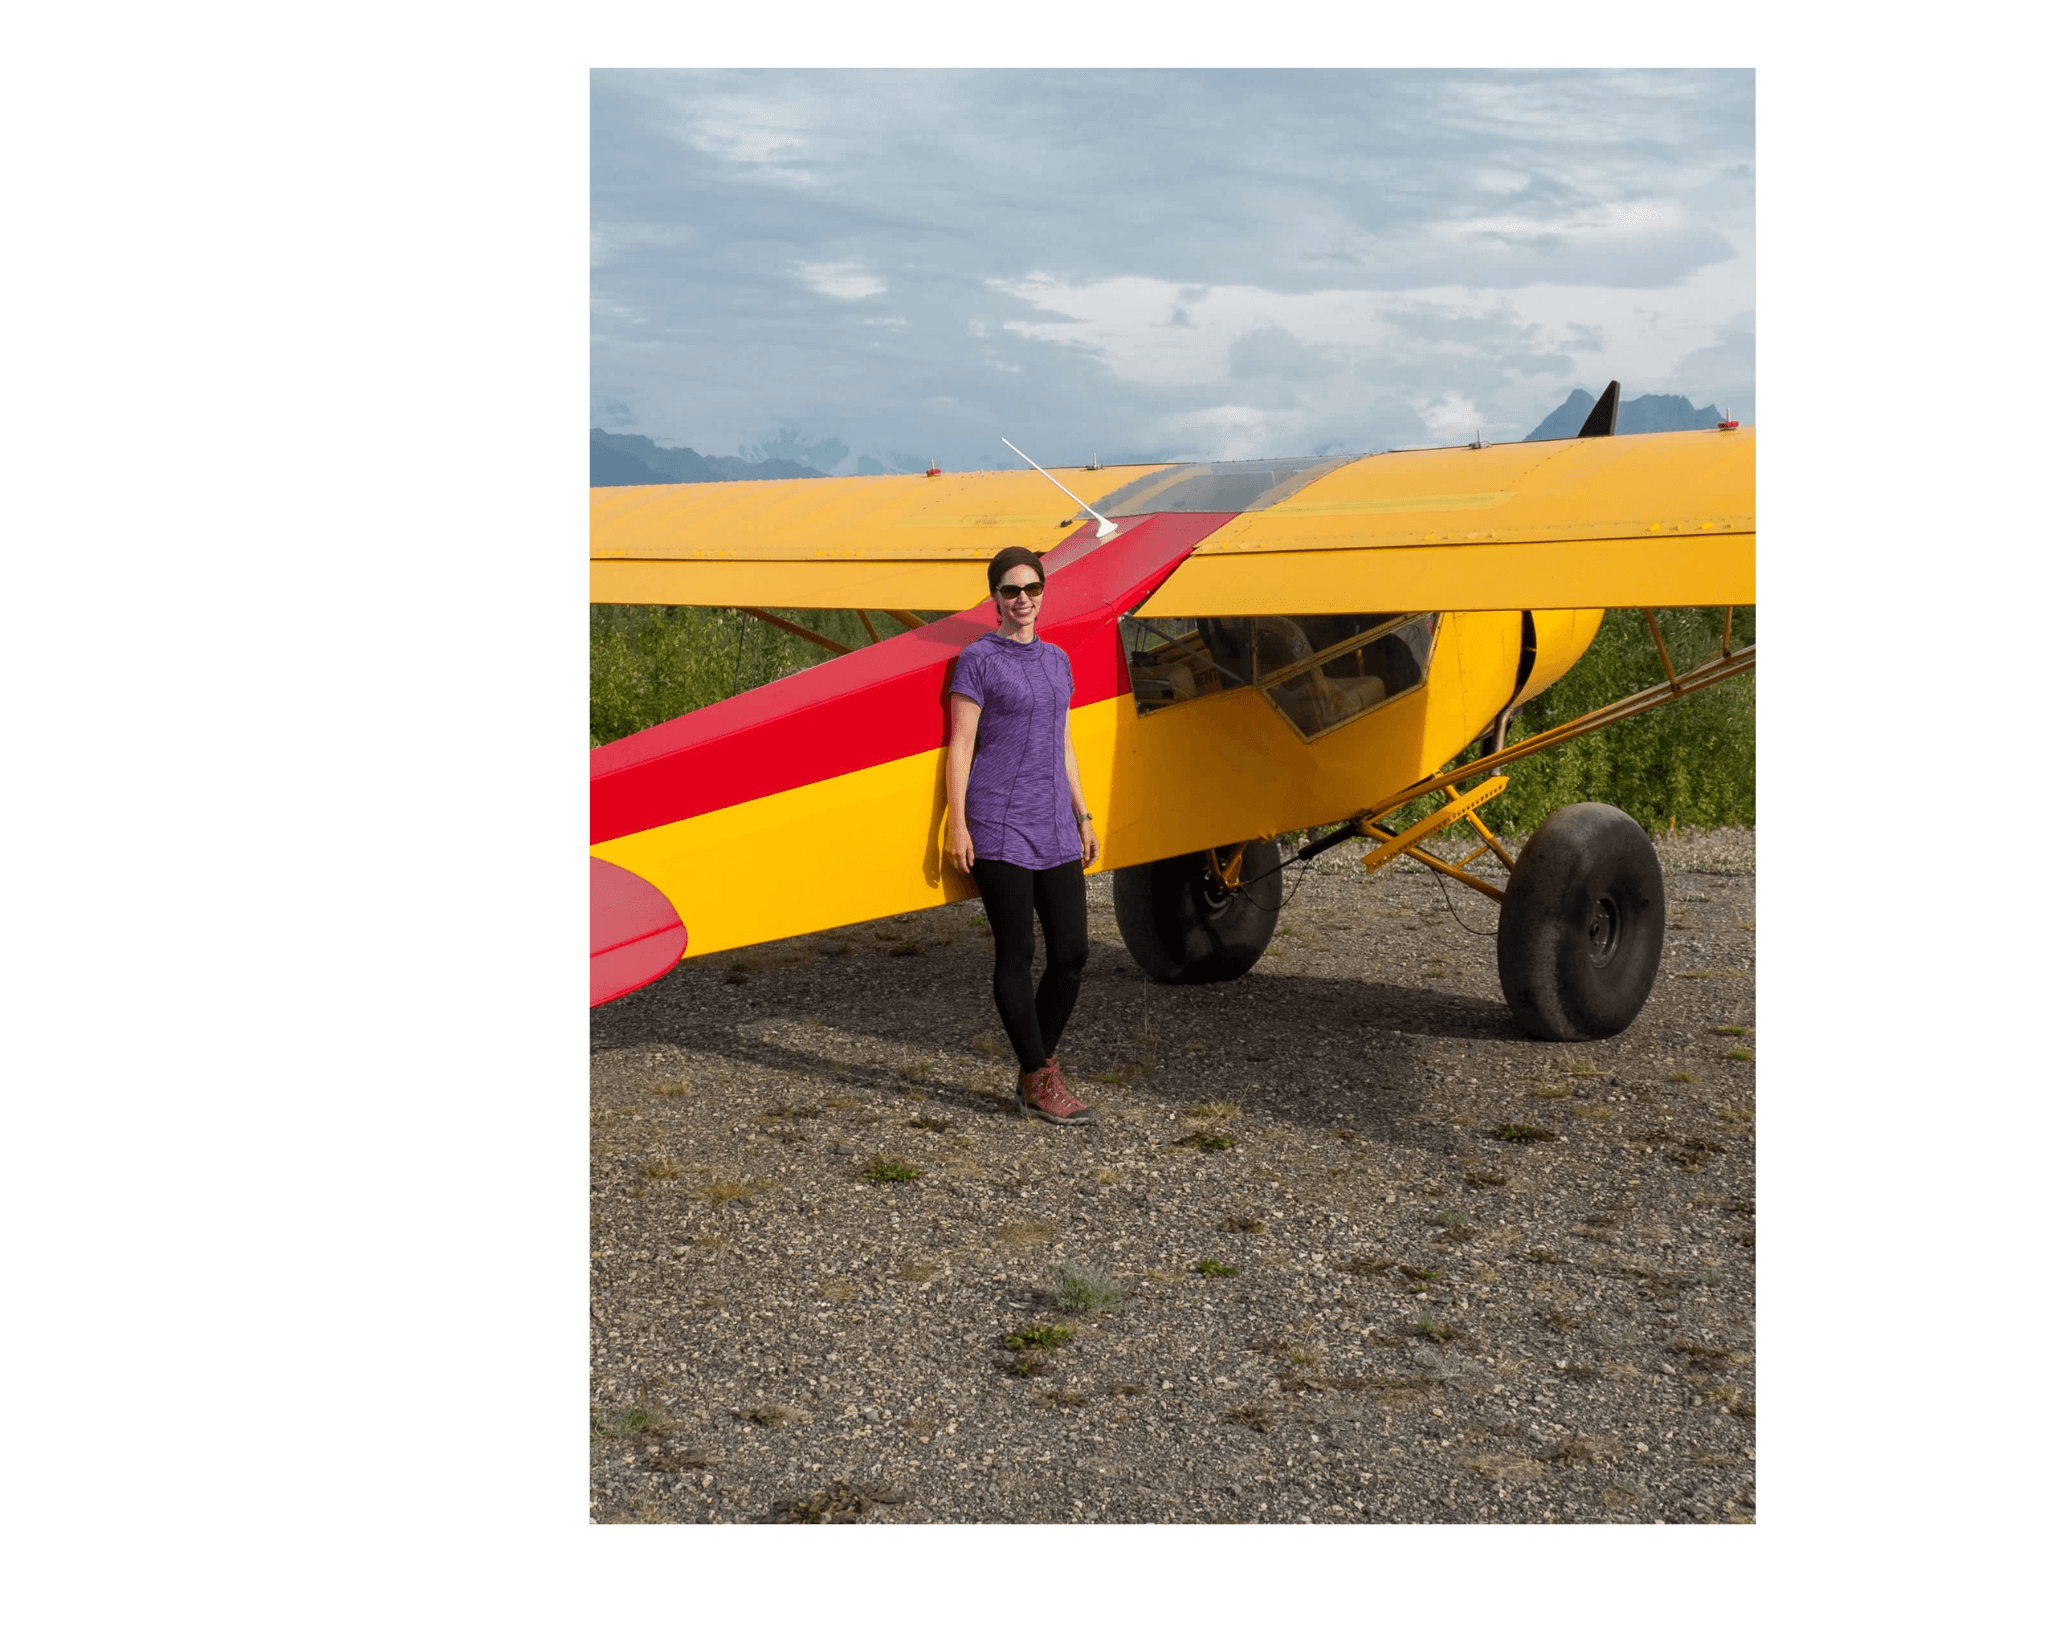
x=1103 y=527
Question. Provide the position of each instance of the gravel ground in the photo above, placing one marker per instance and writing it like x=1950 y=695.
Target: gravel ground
x=1421 y=1322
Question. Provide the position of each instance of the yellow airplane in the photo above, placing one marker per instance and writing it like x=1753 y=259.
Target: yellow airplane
x=1258 y=648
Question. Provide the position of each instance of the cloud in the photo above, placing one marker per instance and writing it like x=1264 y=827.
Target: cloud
x=1252 y=261
x=845 y=280
x=1724 y=371
x=1271 y=351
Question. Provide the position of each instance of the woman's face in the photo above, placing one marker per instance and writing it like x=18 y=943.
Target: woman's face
x=1017 y=597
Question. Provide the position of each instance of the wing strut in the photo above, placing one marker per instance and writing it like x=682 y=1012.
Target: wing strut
x=819 y=639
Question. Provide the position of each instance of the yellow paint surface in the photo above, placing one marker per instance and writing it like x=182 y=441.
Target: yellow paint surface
x=1562 y=636
x=1640 y=485
x=1662 y=519
x=1614 y=573
x=1209 y=771
x=970 y=516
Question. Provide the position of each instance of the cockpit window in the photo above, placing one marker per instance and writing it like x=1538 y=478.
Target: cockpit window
x=1318 y=671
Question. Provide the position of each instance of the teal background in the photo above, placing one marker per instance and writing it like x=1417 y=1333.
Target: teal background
x=295 y=1121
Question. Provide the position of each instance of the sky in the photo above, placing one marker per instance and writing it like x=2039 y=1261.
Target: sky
x=874 y=270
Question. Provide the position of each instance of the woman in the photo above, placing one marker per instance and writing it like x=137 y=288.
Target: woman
x=1016 y=821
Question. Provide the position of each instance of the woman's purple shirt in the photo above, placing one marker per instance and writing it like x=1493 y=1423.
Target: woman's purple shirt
x=1018 y=805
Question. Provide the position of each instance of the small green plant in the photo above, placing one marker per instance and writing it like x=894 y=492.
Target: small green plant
x=1208 y=1140
x=1422 y=1273
x=1249 y=1224
x=635 y=1421
x=1028 y=1364
x=1552 y=1091
x=1731 y=1031
x=1581 y=1068
x=1452 y=1218
x=1047 y=1336
x=1738 y=1054
x=1543 y=1256
x=1428 y=1327
x=884 y=1169
x=1475 y=1177
x=932 y=1125
x=1365 y=1265
x=1083 y=1289
x=1214 y=1111
x=1522 y=1134
x=1680 y=1077
x=1062 y=1397
x=1215 y=1267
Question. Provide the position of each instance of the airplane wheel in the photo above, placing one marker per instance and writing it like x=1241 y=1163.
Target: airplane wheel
x=1184 y=928
x=1582 y=928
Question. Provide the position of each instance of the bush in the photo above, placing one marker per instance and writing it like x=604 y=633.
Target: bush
x=651 y=663
x=1080 y=1288
x=1691 y=763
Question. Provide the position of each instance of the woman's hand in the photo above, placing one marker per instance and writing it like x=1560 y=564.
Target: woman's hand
x=1089 y=847
x=959 y=846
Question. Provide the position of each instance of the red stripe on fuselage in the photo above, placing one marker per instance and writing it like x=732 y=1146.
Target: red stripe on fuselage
x=884 y=702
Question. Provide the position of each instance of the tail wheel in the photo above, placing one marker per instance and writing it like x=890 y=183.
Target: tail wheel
x=1582 y=928
x=1185 y=926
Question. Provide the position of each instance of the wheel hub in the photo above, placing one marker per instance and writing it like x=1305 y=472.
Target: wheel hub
x=1603 y=937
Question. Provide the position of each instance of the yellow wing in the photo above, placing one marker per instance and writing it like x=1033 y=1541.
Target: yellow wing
x=1657 y=519
x=1641 y=519
x=892 y=542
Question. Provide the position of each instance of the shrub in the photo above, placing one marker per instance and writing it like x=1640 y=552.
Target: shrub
x=1080 y=1288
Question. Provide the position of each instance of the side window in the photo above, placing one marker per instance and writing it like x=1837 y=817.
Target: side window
x=1318 y=671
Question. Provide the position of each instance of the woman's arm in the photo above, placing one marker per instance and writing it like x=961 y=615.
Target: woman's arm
x=959 y=759
x=1089 y=847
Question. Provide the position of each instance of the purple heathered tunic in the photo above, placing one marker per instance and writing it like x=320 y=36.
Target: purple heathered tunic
x=1018 y=807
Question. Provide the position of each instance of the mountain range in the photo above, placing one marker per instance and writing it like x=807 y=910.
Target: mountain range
x=629 y=458
x=1651 y=413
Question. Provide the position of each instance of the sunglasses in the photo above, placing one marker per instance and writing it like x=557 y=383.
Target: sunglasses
x=1020 y=589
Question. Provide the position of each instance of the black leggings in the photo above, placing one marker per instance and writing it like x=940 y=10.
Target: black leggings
x=1009 y=894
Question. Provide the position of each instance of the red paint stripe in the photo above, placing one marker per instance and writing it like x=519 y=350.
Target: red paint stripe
x=629 y=967
x=884 y=702
x=635 y=934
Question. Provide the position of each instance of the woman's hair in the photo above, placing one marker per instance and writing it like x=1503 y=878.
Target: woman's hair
x=1007 y=560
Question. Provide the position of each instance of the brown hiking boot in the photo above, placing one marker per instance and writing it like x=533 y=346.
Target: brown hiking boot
x=1043 y=1093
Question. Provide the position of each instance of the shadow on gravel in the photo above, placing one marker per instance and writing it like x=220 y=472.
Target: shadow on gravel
x=1285 y=1047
